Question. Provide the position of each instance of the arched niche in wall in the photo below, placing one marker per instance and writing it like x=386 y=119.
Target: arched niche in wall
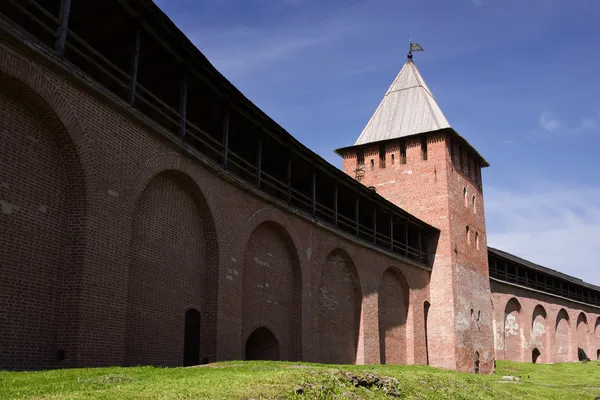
x=540 y=337
x=272 y=290
x=340 y=309
x=513 y=326
x=562 y=337
x=393 y=312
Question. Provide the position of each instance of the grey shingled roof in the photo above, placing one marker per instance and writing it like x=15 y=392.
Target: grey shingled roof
x=408 y=108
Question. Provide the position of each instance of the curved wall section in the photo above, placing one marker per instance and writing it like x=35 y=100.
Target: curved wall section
x=34 y=208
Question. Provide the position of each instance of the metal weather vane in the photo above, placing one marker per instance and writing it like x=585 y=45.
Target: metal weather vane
x=413 y=47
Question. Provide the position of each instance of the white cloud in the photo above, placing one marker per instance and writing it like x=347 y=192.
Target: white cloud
x=243 y=50
x=556 y=226
x=549 y=123
x=588 y=124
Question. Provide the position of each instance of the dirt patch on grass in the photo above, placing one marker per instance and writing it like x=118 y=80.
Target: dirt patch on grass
x=347 y=384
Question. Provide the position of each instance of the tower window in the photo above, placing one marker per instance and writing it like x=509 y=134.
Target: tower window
x=381 y=155
x=392 y=158
x=477 y=240
x=466 y=198
x=402 y=151
x=360 y=157
x=473 y=200
x=424 y=148
x=468 y=234
x=372 y=163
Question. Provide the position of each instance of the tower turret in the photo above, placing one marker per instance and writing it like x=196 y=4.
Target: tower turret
x=409 y=153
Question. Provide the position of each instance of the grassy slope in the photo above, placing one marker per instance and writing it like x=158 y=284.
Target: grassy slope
x=246 y=380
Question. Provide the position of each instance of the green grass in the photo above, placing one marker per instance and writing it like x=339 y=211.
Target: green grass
x=278 y=380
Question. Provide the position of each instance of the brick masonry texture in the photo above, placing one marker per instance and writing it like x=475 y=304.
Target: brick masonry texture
x=527 y=320
x=112 y=233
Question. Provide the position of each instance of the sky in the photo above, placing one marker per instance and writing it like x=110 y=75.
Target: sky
x=520 y=80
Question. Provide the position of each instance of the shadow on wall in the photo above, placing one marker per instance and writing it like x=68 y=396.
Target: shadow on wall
x=393 y=312
x=43 y=202
x=340 y=310
x=262 y=345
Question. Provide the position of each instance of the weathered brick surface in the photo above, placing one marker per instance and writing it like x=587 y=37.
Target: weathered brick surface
x=528 y=320
x=137 y=232
x=460 y=318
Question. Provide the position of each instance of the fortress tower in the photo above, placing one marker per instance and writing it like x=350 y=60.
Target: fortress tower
x=409 y=153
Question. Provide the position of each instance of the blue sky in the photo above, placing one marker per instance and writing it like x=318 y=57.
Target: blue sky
x=519 y=79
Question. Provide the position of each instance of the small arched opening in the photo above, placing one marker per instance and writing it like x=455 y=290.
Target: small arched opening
x=262 y=345
x=191 y=340
x=476 y=362
x=535 y=355
x=598 y=355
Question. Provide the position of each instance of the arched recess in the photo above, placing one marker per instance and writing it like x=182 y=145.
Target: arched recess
x=262 y=345
x=562 y=337
x=340 y=309
x=540 y=338
x=173 y=258
x=583 y=333
x=393 y=312
x=513 y=331
x=43 y=218
x=272 y=285
x=536 y=356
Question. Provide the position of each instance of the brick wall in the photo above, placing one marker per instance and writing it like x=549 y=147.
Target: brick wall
x=554 y=326
x=150 y=232
x=111 y=232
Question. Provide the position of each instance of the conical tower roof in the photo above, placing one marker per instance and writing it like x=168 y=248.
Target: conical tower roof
x=408 y=108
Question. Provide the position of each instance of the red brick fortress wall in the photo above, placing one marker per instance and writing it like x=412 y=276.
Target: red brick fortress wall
x=526 y=321
x=112 y=233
